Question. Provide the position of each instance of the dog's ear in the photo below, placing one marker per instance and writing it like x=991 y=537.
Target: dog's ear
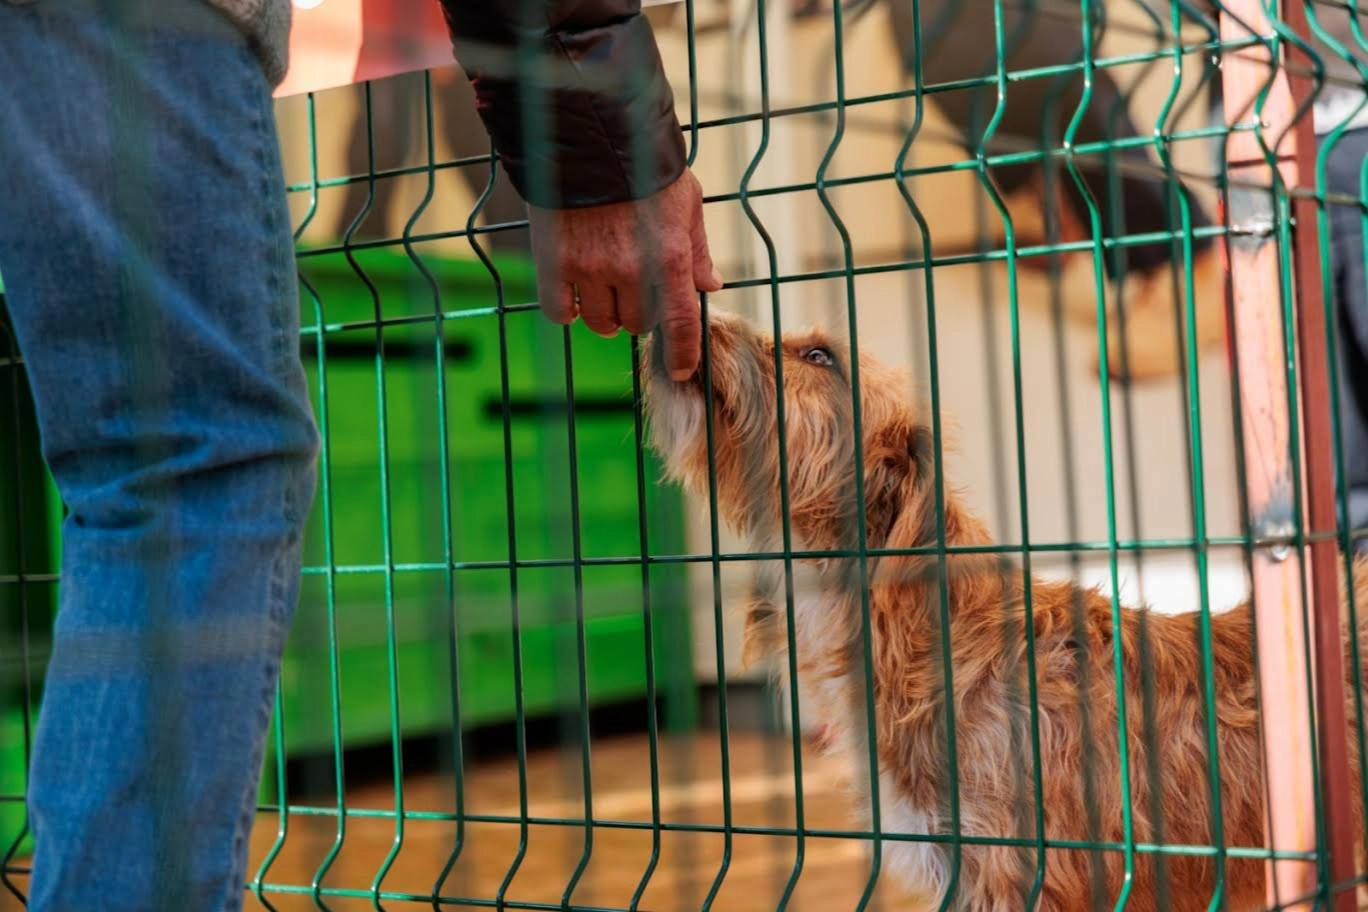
x=901 y=462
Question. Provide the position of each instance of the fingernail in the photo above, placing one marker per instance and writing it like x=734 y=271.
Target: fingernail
x=679 y=375
x=717 y=278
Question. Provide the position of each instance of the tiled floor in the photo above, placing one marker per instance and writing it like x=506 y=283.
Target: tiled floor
x=751 y=877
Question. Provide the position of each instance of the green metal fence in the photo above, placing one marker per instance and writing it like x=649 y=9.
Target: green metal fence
x=509 y=682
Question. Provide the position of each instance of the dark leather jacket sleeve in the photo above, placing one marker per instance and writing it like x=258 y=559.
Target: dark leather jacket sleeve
x=574 y=96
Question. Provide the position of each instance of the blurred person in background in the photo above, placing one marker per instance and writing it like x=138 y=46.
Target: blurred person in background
x=1036 y=114
x=1047 y=205
x=396 y=135
x=1339 y=37
x=392 y=133
x=146 y=249
x=1143 y=344
x=1341 y=121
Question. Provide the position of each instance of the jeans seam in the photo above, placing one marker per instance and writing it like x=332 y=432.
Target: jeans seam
x=277 y=611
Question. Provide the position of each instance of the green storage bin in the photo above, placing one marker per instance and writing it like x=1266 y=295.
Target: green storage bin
x=30 y=556
x=391 y=406
x=14 y=782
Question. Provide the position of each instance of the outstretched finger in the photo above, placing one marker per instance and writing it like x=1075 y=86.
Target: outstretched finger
x=705 y=274
x=681 y=326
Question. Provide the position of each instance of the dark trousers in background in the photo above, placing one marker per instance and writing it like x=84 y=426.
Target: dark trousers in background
x=397 y=139
x=1344 y=174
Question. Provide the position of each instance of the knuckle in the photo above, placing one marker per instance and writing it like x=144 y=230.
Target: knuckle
x=679 y=301
x=596 y=265
x=557 y=311
x=638 y=323
x=681 y=328
x=676 y=250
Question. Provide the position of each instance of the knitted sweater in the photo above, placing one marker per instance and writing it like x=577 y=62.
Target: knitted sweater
x=267 y=25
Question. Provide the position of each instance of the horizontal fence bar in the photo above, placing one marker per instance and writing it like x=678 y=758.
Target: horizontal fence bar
x=1035 y=547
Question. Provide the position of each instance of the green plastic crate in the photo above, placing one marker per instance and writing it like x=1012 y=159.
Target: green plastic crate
x=30 y=526
x=480 y=595
x=340 y=296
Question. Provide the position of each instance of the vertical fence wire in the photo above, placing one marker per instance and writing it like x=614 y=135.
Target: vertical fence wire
x=715 y=542
x=385 y=505
x=510 y=503
x=581 y=656
x=1004 y=44
x=1182 y=258
x=860 y=576
x=1118 y=657
x=648 y=632
x=765 y=586
x=317 y=334
x=1184 y=268
x=453 y=628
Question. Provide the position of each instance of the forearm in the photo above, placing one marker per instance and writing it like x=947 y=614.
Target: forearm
x=574 y=96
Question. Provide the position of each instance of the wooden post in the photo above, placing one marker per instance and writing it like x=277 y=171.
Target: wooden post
x=1257 y=281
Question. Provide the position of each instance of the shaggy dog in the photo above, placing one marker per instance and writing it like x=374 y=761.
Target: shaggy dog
x=910 y=597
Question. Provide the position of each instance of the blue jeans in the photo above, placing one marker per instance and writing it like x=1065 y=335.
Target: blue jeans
x=146 y=252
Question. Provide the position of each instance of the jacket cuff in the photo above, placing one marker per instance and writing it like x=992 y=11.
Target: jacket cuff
x=580 y=118
x=594 y=154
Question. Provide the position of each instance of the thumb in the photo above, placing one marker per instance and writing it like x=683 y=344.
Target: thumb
x=705 y=274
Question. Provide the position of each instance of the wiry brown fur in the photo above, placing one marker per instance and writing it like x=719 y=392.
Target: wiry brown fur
x=1074 y=650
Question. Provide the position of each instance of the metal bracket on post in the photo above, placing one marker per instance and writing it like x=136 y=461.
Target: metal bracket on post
x=1251 y=217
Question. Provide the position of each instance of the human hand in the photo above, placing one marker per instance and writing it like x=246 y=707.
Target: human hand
x=632 y=266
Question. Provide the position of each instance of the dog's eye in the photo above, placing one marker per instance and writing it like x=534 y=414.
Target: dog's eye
x=819 y=356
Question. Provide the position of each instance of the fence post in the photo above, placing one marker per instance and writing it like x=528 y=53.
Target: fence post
x=1258 y=275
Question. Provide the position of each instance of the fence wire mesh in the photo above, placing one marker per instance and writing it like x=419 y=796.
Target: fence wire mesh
x=515 y=677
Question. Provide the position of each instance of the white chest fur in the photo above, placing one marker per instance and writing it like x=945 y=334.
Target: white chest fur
x=834 y=703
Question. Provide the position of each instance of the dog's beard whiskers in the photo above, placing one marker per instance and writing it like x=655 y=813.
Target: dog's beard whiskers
x=675 y=426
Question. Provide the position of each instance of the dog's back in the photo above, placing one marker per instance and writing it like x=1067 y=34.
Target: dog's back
x=1164 y=671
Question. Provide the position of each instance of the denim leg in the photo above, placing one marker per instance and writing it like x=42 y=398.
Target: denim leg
x=146 y=251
